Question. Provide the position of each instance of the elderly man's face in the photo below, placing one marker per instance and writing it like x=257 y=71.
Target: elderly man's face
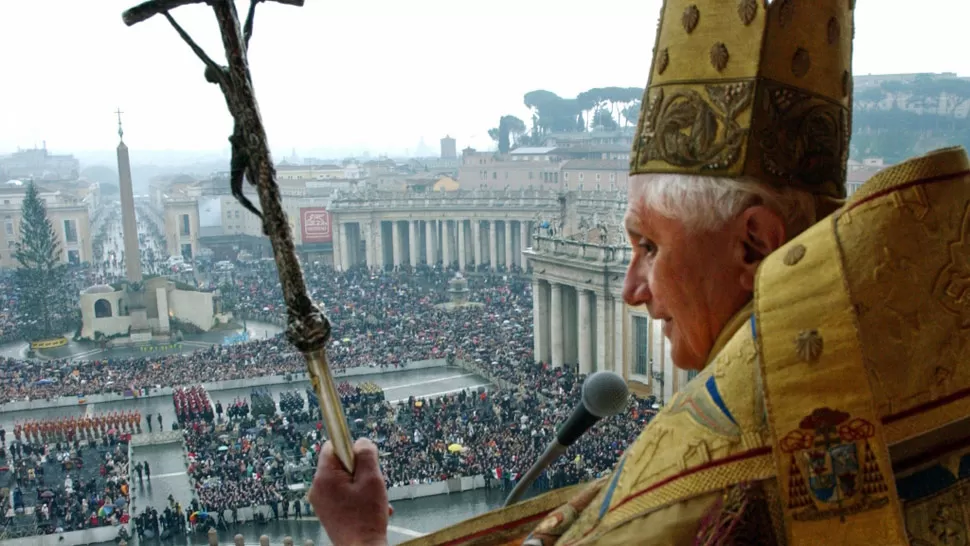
x=694 y=281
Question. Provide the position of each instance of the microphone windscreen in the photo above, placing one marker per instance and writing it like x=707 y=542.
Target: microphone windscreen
x=605 y=394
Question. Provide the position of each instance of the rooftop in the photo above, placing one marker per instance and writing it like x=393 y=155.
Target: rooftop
x=596 y=165
x=532 y=150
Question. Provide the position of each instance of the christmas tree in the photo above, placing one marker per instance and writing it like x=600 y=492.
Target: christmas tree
x=40 y=279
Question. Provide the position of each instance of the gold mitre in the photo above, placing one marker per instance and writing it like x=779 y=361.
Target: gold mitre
x=748 y=88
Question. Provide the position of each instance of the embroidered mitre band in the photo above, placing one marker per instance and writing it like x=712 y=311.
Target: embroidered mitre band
x=743 y=88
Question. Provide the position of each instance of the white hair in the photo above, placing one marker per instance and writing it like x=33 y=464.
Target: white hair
x=706 y=203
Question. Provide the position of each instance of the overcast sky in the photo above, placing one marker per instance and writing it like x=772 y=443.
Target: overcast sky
x=355 y=75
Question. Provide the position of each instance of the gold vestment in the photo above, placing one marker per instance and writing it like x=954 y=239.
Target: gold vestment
x=835 y=408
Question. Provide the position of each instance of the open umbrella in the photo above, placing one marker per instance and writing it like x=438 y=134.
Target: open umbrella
x=47 y=494
x=223 y=448
x=106 y=510
x=454 y=448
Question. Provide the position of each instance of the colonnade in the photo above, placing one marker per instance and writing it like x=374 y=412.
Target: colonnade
x=576 y=325
x=469 y=243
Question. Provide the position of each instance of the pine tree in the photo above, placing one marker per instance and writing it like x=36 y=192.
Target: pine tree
x=40 y=279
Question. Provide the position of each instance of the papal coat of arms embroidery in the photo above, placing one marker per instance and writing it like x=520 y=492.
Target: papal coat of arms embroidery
x=832 y=471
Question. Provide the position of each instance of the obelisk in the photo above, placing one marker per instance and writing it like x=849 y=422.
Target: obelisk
x=140 y=328
x=129 y=227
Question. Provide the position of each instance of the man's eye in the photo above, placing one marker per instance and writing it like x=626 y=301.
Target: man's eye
x=647 y=245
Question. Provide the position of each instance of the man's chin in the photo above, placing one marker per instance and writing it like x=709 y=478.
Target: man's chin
x=684 y=359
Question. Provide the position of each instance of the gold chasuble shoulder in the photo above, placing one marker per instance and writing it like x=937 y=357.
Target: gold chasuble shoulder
x=681 y=469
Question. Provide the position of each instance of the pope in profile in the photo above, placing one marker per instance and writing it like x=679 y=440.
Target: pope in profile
x=830 y=336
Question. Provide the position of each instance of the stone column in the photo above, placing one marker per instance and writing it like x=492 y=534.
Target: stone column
x=492 y=252
x=429 y=253
x=600 y=323
x=538 y=315
x=585 y=335
x=379 y=243
x=656 y=354
x=461 y=245
x=619 y=329
x=555 y=329
x=335 y=246
x=446 y=242
x=346 y=247
x=371 y=244
x=670 y=373
x=477 y=241
x=396 y=241
x=524 y=242
x=413 y=242
x=508 y=244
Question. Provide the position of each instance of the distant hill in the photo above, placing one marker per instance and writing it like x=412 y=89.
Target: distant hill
x=897 y=117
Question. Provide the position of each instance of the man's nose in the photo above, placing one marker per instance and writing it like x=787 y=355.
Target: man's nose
x=636 y=288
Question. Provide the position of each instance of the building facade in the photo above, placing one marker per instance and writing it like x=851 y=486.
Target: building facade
x=181 y=217
x=449 y=149
x=579 y=317
x=38 y=164
x=68 y=213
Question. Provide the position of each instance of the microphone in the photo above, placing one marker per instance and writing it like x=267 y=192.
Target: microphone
x=604 y=394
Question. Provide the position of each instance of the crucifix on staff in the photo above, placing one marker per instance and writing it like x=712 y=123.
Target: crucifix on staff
x=307 y=327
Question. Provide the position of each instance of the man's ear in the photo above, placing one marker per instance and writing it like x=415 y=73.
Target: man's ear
x=761 y=231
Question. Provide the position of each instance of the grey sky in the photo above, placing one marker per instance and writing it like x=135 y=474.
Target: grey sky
x=350 y=75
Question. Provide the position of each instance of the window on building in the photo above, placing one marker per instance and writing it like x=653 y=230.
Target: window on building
x=70 y=231
x=494 y=175
x=73 y=257
x=184 y=228
x=237 y=214
x=612 y=177
x=580 y=177
x=597 y=177
x=565 y=175
x=530 y=175
x=641 y=339
x=8 y=226
x=555 y=175
x=187 y=251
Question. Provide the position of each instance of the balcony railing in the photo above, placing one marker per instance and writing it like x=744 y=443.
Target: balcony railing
x=578 y=250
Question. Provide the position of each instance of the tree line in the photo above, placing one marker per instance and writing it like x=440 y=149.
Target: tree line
x=606 y=108
x=894 y=133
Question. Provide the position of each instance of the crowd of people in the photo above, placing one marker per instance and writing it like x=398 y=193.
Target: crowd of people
x=243 y=461
x=379 y=320
x=66 y=485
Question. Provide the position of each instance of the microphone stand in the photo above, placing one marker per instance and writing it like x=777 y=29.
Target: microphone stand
x=552 y=452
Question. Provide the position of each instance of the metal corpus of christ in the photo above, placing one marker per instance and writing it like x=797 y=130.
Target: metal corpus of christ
x=307 y=327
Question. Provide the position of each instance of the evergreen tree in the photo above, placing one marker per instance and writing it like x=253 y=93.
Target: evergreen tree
x=40 y=279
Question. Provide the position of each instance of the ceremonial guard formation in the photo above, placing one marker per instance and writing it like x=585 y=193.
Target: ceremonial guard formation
x=291 y=402
x=85 y=427
x=191 y=404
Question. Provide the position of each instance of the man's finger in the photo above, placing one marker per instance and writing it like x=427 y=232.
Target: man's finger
x=329 y=464
x=365 y=452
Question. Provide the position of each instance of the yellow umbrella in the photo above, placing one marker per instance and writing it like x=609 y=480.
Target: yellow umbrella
x=454 y=448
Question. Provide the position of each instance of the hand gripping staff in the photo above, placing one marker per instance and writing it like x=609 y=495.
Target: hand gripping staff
x=307 y=327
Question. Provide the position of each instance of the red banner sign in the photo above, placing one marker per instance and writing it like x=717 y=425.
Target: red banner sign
x=315 y=224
